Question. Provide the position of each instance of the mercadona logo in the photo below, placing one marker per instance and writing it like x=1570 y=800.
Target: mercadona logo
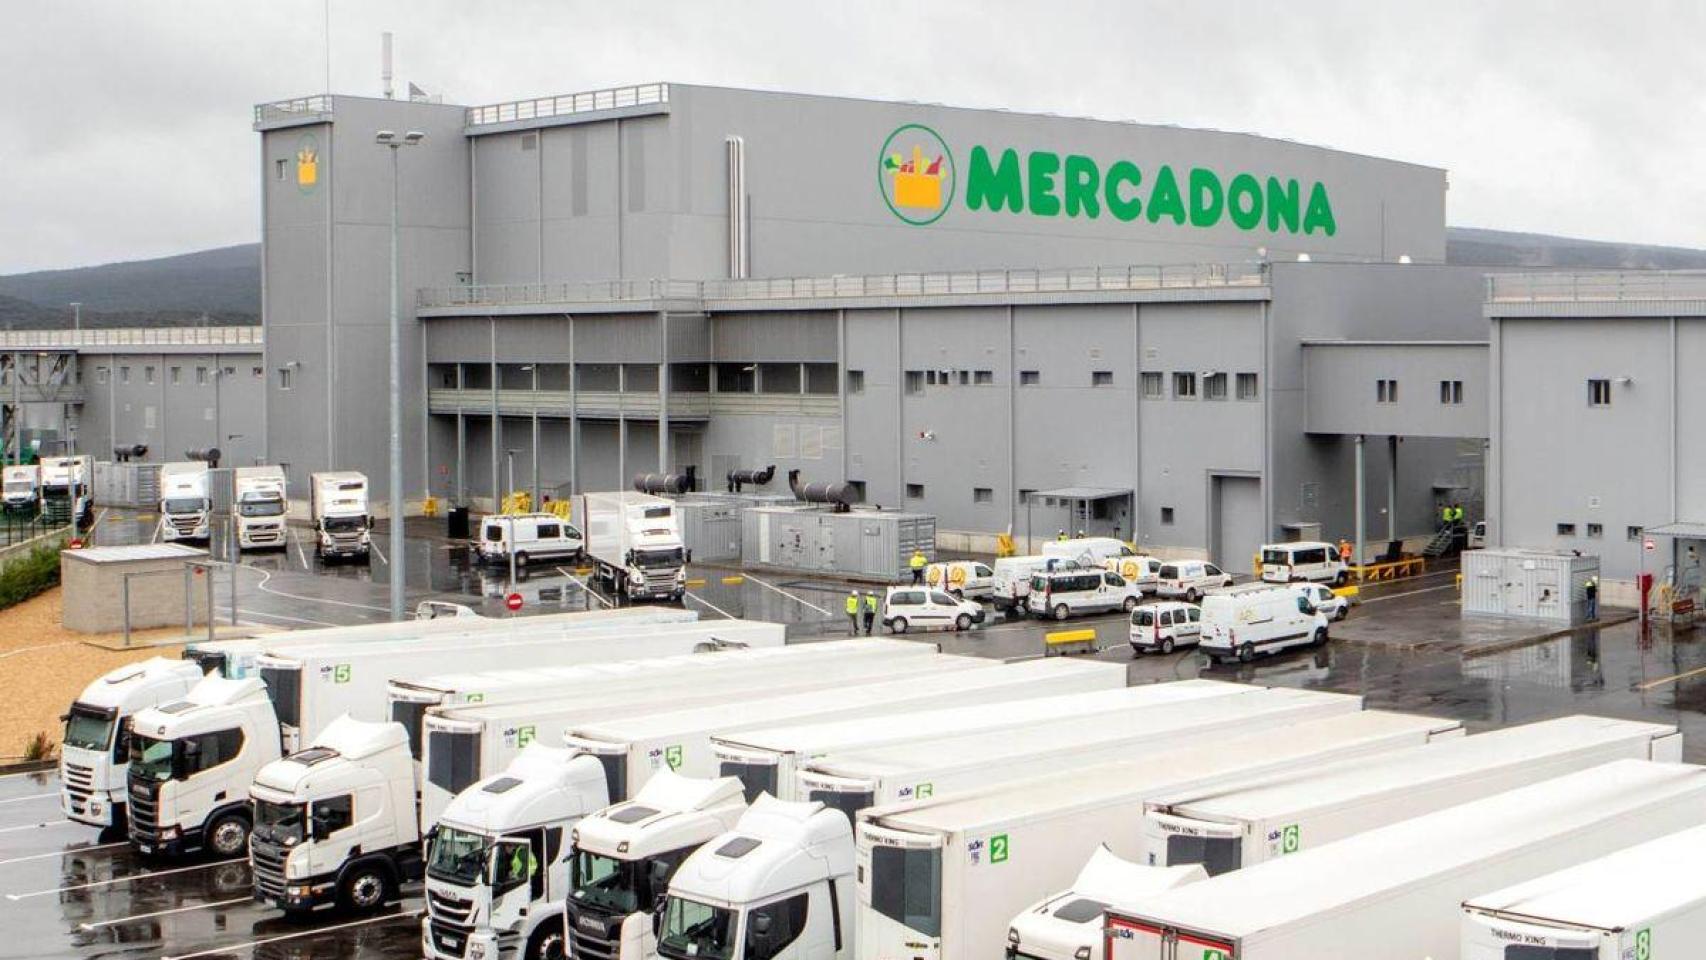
x=916 y=175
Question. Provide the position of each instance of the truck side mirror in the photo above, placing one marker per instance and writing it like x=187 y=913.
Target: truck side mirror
x=657 y=914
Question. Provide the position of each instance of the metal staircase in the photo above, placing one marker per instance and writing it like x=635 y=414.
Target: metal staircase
x=1440 y=545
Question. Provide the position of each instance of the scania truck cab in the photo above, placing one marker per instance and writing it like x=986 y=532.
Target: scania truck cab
x=626 y=855
x=498 y=860
x=94 y=762
x=337 y=504
x=335 y=823
x=187 y=758
x=779 y=886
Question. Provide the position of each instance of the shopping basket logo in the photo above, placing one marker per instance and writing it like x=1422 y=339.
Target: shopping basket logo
x=915 y=173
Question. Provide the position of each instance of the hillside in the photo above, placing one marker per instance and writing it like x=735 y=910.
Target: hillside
x=1503 y=248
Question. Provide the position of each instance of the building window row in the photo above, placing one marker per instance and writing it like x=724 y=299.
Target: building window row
x=916 y=380
x=1451 y=392
x=790 y=378
x=1385 y=391
x=1213 y=386
x=1596 y=531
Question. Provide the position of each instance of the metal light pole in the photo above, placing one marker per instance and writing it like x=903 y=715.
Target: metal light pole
x=388 y=138
x=509 y=458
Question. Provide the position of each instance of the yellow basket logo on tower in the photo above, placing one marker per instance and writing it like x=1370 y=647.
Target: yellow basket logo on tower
x=307 y=163
x=915 y=172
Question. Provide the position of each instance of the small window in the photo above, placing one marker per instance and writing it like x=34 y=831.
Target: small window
x=123 y=374
x=1152 y=388
x=1634 y=533
x=930 y=378
x=914 y=381
x=1025 y=495
x=1385 y=391
x=1184 y=386
x=1596 y=530
x=1451 y=392
x=915 y=491
x=280 y=169
x=982 y=495
x=855 y=381
x=100 y=374
x=1214 y=386
x=1101 y=378
x=201 y=376
x=148 y=374
x=982 y=378
x=229 y=371
x=332 y=814
x=1029 y=378
x=176 y=375
x=1566 y=529
x=529 y=141
x=1599 y=393
x=1167 y=515
x=965 y=378
x=284 y=378
x=1247 y=386
x=257 y=372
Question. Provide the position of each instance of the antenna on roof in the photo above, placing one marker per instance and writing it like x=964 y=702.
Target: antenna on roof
x=385 y=71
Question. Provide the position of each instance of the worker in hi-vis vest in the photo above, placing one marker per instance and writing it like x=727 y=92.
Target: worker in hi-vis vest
x=870 y=611
x=917 y=564
x=852 y=607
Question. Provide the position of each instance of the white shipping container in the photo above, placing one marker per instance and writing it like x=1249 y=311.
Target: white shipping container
x=1403 y=885
x=1227 y=830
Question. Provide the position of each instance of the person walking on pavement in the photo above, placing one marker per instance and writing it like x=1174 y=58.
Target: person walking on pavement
x=852 y=607
x=1590 y=590
x=917 y=564
x=870 y=611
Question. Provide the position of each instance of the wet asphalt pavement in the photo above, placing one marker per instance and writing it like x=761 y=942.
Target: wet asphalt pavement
x=65 y=892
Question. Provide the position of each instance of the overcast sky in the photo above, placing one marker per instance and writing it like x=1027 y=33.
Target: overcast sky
x=125 y=130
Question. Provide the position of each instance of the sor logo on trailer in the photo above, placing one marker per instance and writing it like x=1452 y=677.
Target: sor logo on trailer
x=916 y=174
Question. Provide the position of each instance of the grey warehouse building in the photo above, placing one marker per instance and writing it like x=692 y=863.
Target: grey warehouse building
x=936 y=304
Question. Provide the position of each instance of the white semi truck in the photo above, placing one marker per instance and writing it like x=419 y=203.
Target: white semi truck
x=1647 y=901
x=1227 y=830
x=21 y=488
x=1404 y=885
x=337 y=504
x=634 y=541
x=258 y=507
x=94 y=761
x=65 y=489
x=1067 y=925
x=185 y=504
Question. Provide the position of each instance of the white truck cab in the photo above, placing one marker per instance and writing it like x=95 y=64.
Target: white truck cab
x=184 y=505
x=22 y=488
x=1068 y=925
x=529 y=537
x=625 y=856
x=94 y=762
x=338 y=507
x=497 y=870
x=634 y=542
x=1308 y=560
x=335 y=823
x=259 y=507
x=779 y=886
x=187 y=758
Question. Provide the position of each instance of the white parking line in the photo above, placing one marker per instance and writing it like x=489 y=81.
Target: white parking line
x=689 y=595
x=33 y=796
x=266 y=575
x=789 y=595
x=35 y=826
x=61 y=853
x=296 y=936
x=299 y=554
x=375 y=548
x=279 y=616
x=583 y=585
x=124 y=879
x=163 y=913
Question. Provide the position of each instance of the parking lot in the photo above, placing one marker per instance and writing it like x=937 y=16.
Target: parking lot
x=66 y=892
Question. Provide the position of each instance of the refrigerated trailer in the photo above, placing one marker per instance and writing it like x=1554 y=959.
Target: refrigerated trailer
x=939 y=879
x=1646 y=902
x=1227 y=830
x=1403 y=885
x=637 y=745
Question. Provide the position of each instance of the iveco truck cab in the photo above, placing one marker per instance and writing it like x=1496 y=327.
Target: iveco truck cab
x=497 y=861
x=1068 y=925
x=95 y=759
x=334 y=823
x=626 y=855
x=779 y=886
x=190 y=761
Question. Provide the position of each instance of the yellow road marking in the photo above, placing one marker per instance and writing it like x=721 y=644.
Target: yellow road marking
x=1650 y=684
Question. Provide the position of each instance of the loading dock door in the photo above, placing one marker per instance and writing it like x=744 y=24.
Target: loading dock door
x=1236 y=503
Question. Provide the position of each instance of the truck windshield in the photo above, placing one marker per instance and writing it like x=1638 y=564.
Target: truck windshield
x=151 y=759
x=20 y=486
x=696 y=931
x=345 y=524
x=279 y=823
x=89 y=728
x=606 y=884
x=260 y=508
x=666 y=557
x=906 y=886
x=457 y=856
x=185 y=505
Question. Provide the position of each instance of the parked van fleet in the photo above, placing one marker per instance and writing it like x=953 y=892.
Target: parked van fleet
x=1405 y=883
x=1067 y=925
x=1306 y=560
x=337 y=505
x=852 y=781
x=1012 y=579
x=1070 y=593
x=915 y=608
x=1232 y=829
x=258 y=507
x=94 y=760
x=1189 y=579
x=1647 y=901
x=1142 y=570
x=940 y=879
x=637 y=745
x=529 y=537
x=185 y=507
x=21 y=488
x=1088 y=551
x=1247 y=622
x=465 y=743
x=1165 y=625
x=961 y=579
x=779 y=886
x=768 y=759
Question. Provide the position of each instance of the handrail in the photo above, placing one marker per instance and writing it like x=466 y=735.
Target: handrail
x=319 y=105
x=948 y=283
x=568 y=104
x=133 y=337
x=1596 y=286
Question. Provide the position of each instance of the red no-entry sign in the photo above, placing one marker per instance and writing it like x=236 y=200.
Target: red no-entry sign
x=513 y=601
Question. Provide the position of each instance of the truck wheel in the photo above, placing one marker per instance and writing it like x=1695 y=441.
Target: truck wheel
x=898 y=626
x=1166 y=644
x=228 y=835
x=1129 y=605
x=365 y=887
x=1246 y=653
x=963 y=622
x=546 y=943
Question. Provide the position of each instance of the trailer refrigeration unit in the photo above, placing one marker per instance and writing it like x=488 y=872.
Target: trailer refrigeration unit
x=634 y=543
x=638 y=745
x=1405 y=884
x=1067 y=925
x=1232 y=829
x=94 y=760
x=1647 y=902
x=258 y=507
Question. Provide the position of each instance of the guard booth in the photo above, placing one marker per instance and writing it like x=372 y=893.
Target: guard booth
x=1544 y=585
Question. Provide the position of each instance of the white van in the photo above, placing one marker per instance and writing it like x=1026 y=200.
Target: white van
x=1089 y=551
x=1189 y=579
x=1066 y=593
x=961 y=578
x=1012 y=581
x=1245 y=623
x=1478 y=535
x=1139 y=569
x=910 y=608
x=530 y=536
x=1306 y=560
x=1163 y=626
x=1331 y=605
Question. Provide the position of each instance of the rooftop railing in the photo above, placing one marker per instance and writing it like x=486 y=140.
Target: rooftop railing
x=131 y=337
x=300 y=108
x=1596 y=285
x=568 y=104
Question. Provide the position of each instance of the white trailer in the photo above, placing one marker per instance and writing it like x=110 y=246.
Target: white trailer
x=258 y=507
x=1067 y=925
x=634 y=540
x=1227 y=830
x=854 y=781
x=22 y=488
x=185 y=507
x=337 y=504
x=681 y=740
x=1646 y=902
x=463 y=744
x=1404 y=885
x=939 y=879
